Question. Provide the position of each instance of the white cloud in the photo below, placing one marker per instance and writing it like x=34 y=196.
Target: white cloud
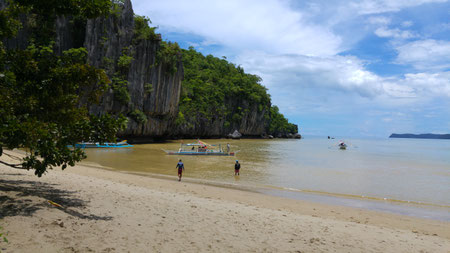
x=341 y=73
x=396 y=88
x=382 y=6
x=425 y=54
x=383 y=30
x=273 y=26
x=345 y=73
x=379 y=20
x=434 y=84
x=396 y=33
x=407 y=23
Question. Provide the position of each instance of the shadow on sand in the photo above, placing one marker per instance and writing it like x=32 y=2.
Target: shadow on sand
x=19 y=204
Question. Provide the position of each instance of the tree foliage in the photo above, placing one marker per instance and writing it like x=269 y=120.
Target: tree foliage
x=44 y=94
x=168 y=55
x=120 y=89
x=138 y=116
x=209 y=82
x=142 y=29
x=279 y=124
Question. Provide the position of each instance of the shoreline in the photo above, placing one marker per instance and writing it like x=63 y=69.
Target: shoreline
x=392 y=206
x=104 y=210
x=256 y=193
x=164 y=139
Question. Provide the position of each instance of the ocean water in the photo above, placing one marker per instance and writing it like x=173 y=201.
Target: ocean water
x=408 y=176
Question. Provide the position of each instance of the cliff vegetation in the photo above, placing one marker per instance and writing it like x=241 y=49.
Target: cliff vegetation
x=218 y=97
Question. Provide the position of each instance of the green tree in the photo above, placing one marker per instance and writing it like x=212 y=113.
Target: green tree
x=138 y=116
x=168 y=55
x=279 y=124
x=142 y=29
x=44 y=95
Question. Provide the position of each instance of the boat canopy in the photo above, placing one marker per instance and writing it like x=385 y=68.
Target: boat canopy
x=201 y=148
x=199 y=143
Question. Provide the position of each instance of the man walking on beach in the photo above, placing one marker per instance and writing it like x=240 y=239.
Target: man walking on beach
x=180 y=167
x=237 y=167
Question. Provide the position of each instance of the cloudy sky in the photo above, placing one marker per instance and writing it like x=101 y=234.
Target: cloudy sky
x=334 y=67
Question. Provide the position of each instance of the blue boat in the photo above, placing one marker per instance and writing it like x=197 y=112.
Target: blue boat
x=122 y=144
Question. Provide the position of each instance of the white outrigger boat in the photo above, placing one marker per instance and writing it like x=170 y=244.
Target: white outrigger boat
x=201 y=148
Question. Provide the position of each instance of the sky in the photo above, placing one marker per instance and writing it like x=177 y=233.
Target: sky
x=364 y=68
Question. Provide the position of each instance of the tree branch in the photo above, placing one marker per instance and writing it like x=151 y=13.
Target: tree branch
x=12 y=156
x=16 y=166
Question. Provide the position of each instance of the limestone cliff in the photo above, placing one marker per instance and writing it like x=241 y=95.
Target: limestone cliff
x=107 y=39
x=150 y=85
x=252 y=123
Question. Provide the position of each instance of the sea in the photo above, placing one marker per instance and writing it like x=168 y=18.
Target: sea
x=402 y=176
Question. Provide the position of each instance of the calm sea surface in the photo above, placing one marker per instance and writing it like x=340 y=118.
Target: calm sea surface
x=408 y=176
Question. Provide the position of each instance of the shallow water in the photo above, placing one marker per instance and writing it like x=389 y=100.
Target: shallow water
x=392 y=171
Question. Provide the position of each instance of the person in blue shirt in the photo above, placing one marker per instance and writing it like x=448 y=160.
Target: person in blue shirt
x=180 y=167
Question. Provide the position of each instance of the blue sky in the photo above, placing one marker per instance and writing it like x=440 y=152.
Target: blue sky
x=339 y=68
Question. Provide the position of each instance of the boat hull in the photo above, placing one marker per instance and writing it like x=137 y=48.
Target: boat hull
x=200 y=153
x=104 y=145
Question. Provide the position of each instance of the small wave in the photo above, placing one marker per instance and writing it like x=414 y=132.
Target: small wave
x=353 y=196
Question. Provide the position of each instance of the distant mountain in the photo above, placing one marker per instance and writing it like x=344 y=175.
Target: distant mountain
x=421 y=136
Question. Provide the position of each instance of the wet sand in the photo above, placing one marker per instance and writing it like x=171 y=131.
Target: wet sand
x=108 y=211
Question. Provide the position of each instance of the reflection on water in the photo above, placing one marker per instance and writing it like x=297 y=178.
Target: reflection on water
x=396 y=169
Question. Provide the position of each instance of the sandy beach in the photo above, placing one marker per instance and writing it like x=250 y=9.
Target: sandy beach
x=93 y=209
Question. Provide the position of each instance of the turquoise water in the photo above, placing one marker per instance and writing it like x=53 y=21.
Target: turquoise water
x=389 y=172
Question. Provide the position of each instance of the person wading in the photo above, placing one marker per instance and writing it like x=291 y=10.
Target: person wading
x=237 y=167
x=180 y=167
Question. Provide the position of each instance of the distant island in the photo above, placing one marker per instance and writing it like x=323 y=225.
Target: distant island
x=421 y=136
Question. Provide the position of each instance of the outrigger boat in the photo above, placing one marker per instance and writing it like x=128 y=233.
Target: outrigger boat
x=201 y=148
x=342 y=145
x=122 y=144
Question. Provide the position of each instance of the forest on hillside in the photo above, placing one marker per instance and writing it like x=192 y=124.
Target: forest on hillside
x=215 y=89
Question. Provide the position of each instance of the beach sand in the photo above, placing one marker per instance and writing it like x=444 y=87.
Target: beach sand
x=108 y=211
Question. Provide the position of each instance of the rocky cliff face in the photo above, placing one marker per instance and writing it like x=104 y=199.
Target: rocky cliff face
x=252 y=123
x=107 y=39
x=153 y=89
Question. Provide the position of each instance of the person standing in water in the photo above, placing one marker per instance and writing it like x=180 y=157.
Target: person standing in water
x=237 y=167
x=180 y=167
